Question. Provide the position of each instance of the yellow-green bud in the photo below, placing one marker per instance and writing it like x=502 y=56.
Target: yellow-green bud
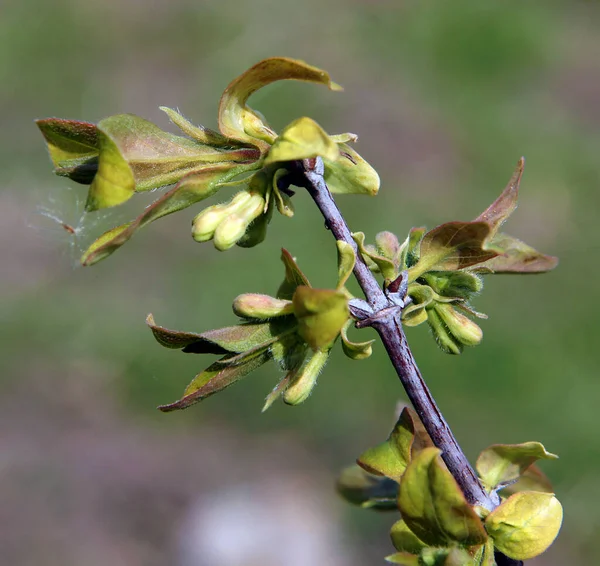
x=461 y=327
x=445 y=340
x=303 y=383
x=234 y=226
x=205 y=223
x=254 y=305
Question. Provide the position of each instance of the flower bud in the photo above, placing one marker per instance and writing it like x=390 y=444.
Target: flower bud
x=461 y=327
x=303 y=383
x=205 y=223
x=445 y=340
x=234 y=226
x=254 y=305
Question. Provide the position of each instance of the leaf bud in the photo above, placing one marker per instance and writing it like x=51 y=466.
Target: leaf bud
x=461 y=284
x=255 y=305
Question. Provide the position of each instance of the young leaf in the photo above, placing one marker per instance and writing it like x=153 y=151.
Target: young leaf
x=497 y=213
x=293 y=277
x=403 y=558
x=346 y=261
x=214 y=379
x=350 y=174
x=73 y=147
x=503 y=463
x=452 y=246
x=355 y=350
x=525 y=525
x=391 y=458
x=434 y=507
x=232 y=339
x=532 y=479
x=515 y=256
x=301 y=139
x=404 y=539
x=191 y=189
x=238 y=121
x=321 y=314
x=384 y=264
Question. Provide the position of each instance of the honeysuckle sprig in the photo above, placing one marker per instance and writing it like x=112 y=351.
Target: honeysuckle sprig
x=406 y=472
x=297 y=329
x=126 y=154
x=445 y=267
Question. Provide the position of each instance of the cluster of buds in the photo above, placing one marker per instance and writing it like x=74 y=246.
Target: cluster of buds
x=123 y=155
x=297 y=329
x=446 y=264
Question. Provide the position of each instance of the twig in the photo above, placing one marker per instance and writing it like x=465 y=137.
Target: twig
x=385 y=319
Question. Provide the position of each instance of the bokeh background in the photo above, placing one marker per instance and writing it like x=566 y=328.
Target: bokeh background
x=445 y=97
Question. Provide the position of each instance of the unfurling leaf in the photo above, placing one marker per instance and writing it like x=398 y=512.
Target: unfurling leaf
x=391 y=458
x=216 y=378
x=404 y=539
x=302 y=139
x=293 y=277
x=525 y=525
x=532 y=479
x=503 y=463
x=321 y=314
x=355 y=350
x=73 y=147
x=434 y=507
x=350 y=174
x=346 y=261
x=232 y=339
x=238 y=121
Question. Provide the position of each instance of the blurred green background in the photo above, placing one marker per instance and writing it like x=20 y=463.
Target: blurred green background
x=445 y=97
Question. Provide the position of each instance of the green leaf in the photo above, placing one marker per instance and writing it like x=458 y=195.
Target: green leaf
x=73 y=147
x=191 y=189
x=441 y=333
x=346 y=261
x=261 y=307
x=302 y=139
x=404 y=539
x=136 y=155
x=321 y=314
x=293 y=277
x=361 y=488
x=232 y=339
x=415 y=313
x=502 y=463
x=516 y=256
x=391 y=458
x=434 y=507
x=350 y=174
x=238 y=121
x=525 y=525
x=355 y=350
x=497 y=213
x=452 y=246
x=214 y=379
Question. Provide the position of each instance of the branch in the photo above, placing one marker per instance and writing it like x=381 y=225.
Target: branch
x=385 y=318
